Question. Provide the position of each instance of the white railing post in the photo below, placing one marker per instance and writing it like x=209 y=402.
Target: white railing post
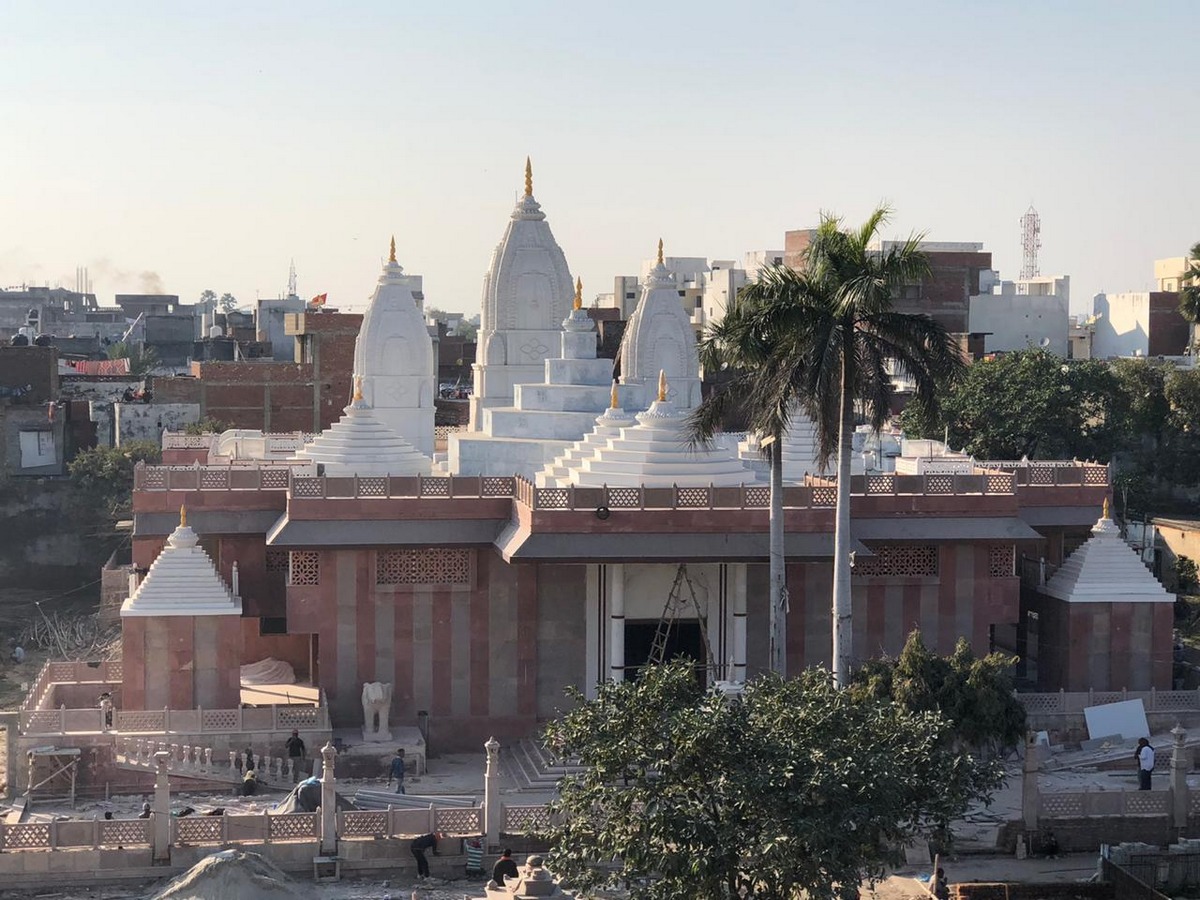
x=328 y=802
x=161 y=815
x=491 y=794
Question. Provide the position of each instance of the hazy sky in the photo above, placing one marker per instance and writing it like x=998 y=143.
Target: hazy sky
x=204 y=145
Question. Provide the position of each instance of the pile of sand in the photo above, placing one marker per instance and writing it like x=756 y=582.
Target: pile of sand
x=234 y=875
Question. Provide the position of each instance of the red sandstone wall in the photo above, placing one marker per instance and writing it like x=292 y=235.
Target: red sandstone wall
x=181 y=662
x=466 y=654
x=962 y=599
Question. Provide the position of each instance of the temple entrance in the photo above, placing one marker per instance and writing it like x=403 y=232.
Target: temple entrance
x=684 y=639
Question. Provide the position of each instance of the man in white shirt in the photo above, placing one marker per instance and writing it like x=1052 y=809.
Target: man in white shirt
x=1144 y=754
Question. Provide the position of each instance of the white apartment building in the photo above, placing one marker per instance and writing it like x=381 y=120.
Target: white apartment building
x=1014 y=315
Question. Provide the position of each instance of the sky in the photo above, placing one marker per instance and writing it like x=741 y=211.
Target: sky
x=181 y=146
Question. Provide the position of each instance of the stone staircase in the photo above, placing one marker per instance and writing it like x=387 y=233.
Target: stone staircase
x=201 y=763
x=534 y=768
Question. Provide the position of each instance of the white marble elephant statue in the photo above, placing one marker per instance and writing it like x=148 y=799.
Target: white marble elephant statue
x=376 y=702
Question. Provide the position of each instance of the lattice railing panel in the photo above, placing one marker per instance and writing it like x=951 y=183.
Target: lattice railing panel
x=551 y=498
x=141 y=720
x=373 y=486
x=494 y=486
x=214 y=479
x=1145 y=803
x=881 y=484
x=219 y=720
x=692 y=497
x=823 y=495
x=27 y=836
x=1102 y=697
x=460 y=821
x=758 y=497
x=899 y=560
x=525 y=819
x=1004 y=483
x=299 y=717
x=305 y=487
x=1095 y=475
x=939 y=484
x=364 y=823
x=432 y=565
x=435 y=487
x=274 y=477
x=43 y=721
x=1061 y=806
x=1174 y=700
x=124 y=832
x=292 y=827
x=154 y=479
x=624 y=497
x=1041 y=475
x=1002 y=560
x=1041 y=703
x=305 y=567
x=198 y=830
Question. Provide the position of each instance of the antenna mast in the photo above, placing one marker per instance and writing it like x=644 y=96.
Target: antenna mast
x=291 y=290
x=1031 y=242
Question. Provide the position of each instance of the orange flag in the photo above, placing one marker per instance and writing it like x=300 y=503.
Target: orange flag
x=319 y=300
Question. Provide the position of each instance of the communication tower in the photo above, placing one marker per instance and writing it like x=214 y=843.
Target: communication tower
x=291 y=289
x=1031 y=242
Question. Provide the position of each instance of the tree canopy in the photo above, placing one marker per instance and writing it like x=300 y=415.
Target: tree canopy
x=792 y=786
x=974 y=694
x=104 y=475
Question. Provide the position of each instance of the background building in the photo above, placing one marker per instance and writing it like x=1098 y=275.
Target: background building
x=1014 y=315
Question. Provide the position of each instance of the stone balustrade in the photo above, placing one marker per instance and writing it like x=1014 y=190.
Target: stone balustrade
x=201 y=762
x=1067 y=703
x=181 y=721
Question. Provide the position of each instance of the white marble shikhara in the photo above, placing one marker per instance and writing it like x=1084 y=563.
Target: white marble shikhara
x=546 y=417
x=360 y=444
x=526 y=294
x=799 y=450
x=394 y=357
x=1106 y=570
x=659 y=338
x=656 y=452
x=182 y=581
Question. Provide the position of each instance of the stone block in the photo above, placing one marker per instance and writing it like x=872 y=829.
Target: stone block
x=535 y=424
x=579 y=371
x=578 y=345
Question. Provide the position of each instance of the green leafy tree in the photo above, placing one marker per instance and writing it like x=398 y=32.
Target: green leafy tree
x=207 y=425
x=975 y=695
x=828 y=339
x=793 y=787
x=1189 y=290
x=142 y=360
x=104 y=475
x=1025 y=404
x=1185 y=573
x=1182 y=392
x=209 y=298
x=228 y=303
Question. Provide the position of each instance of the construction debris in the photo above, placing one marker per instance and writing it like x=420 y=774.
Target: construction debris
x=234 y=875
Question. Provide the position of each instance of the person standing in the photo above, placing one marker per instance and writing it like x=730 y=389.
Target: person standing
x=397 y=771
x=505 y=867
x=296 y=751
x=419 y=846
x=1144 y=754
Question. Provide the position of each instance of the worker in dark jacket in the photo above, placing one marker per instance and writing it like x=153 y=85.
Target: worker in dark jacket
x=419 y=846
x=506 y=867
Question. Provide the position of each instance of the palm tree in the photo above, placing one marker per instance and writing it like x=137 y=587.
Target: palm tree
x=1189 y=292
x=827 y=338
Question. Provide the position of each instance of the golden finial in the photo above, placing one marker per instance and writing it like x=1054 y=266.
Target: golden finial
x=357 y=388
x=1104 y=515
x=662 y=385
x=528 y=178
x=392 y=251
x=660 y=261
x=578 y=302
x=613 y=402
x=183 y=516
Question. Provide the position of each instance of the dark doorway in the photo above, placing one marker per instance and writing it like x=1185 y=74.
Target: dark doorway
x=685 y=639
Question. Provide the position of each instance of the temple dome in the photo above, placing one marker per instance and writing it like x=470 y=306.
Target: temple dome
x=656 y=452
x=659 y=338
x=359 y=444
x=394 y=356
x=182 y=581
x=1105 y=570
x=526 y=295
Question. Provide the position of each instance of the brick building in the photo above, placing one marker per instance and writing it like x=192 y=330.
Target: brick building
x=276 y=396
x=958 y=270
